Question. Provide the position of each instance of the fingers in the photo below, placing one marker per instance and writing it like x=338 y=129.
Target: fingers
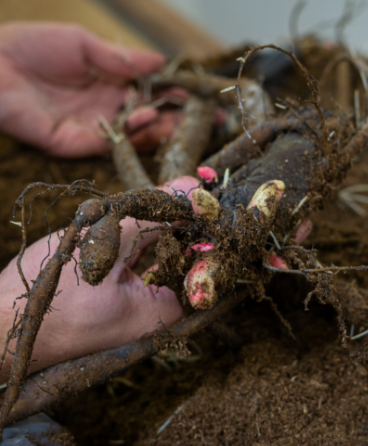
x=130 y=230
x=140 y=118
x=148 y=306
x=75 y=140
x=148 y=138
x=120 y=61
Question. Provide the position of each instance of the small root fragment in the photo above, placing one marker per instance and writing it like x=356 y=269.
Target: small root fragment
x=100 y=248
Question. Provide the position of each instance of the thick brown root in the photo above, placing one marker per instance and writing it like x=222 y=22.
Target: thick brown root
x=64 y=380
x=131 y=172
x=244 y=148
x=100 y=248
x=184 y=153
x=39 y=302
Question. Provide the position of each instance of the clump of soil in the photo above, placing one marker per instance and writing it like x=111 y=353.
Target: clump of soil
x=249 y=383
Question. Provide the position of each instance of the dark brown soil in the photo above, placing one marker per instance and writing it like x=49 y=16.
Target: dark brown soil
x=248 y=382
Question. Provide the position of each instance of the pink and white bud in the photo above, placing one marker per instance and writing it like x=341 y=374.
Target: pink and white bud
x=205 y=204
x=262 y=197
x=200 y=284
x=203 y=247
x=304 y=229
x=208 y=173
x=278 y=262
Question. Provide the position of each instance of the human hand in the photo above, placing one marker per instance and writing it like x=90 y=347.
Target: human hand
x=86 y=319
x=55 y=81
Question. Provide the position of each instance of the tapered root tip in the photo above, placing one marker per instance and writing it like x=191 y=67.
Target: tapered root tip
x=100 y=249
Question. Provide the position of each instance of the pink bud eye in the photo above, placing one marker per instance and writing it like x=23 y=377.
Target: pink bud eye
x=278 y=262
x=202 y=247
x=200 y=285
x=208 y=173
x=304 y=229
x=198 y=300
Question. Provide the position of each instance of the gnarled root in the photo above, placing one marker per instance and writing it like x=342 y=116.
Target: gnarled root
x=40 y=299
x=43 y=390
x=96 y=263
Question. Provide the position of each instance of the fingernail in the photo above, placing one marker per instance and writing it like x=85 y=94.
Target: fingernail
x=202 y=247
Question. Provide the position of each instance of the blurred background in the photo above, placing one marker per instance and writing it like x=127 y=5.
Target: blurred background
x=266 y=21
x=200 y=27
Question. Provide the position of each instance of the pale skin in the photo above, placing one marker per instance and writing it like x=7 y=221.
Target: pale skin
x=87 y=319
x=50 y=77
x=56 y=80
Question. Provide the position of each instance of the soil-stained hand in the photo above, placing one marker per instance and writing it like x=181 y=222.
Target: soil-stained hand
x=55 y=81
x=86 y=319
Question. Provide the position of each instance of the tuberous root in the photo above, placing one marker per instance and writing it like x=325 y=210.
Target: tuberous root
x=100 y=249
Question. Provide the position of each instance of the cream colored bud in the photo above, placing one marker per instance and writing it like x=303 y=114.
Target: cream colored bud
x=205 y=204
x=262 y=197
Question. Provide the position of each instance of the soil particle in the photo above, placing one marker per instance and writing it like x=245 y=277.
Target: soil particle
x=276 y=398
